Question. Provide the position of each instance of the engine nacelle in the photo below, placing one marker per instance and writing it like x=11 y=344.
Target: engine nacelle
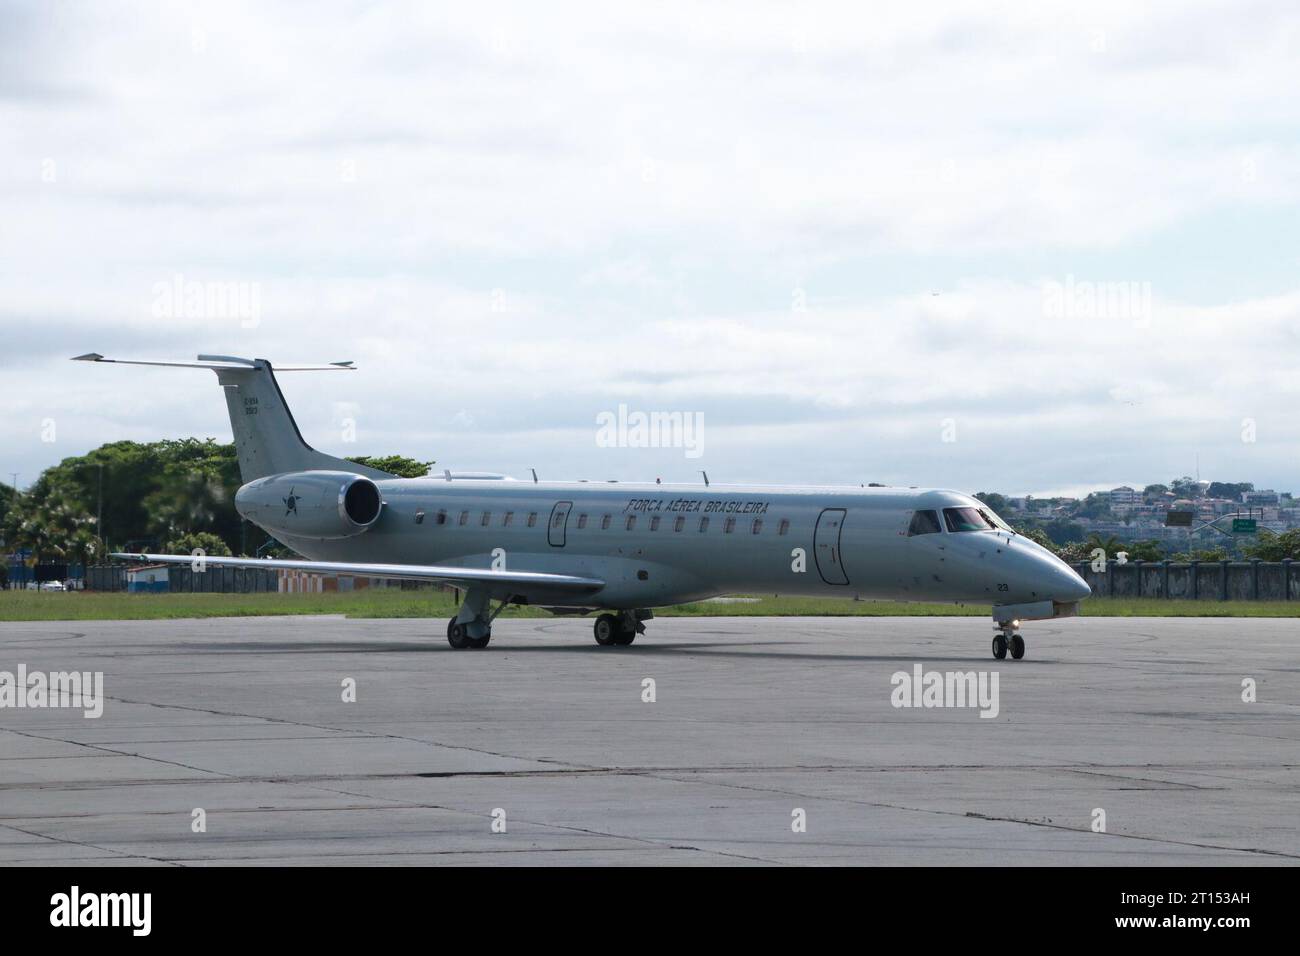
x=311 y=504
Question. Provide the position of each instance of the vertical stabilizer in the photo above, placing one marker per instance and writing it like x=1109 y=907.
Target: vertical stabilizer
x=267 y=439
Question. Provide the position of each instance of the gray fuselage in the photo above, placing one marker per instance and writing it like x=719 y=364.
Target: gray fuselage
x=658 y=544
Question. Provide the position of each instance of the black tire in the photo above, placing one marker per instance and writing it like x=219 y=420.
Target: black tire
x=625 y=636
x=1000 y=646
x=1017 y=647
x=606 y=630
x=457 y=636
x=480 y=642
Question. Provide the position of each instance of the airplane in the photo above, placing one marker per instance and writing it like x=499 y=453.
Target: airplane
x=613 y=548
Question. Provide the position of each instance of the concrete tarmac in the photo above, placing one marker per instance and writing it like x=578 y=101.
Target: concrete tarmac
x=753 y=720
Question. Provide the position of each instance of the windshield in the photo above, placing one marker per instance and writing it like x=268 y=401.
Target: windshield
x=924 y=522
x=993 y=518
x=967 y=519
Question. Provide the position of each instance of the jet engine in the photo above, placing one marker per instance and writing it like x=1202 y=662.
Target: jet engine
x=311 y=504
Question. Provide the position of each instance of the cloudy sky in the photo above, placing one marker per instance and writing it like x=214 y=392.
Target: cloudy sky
x=1022 y=247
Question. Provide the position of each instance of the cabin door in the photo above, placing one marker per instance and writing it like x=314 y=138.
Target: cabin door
x=826 y=546
x=555 y=530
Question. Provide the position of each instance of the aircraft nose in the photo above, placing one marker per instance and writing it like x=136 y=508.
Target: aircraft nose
x=1064 y=583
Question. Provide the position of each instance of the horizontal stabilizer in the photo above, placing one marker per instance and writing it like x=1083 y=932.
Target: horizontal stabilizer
x=217 y=363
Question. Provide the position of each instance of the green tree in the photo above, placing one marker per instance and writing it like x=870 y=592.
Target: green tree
x=1145 y=551
x=151 y=494
x=8 y=497
x=1064 y=531
x=1073 y=552
x=1202 y=554
x=1270 y=546
x=1096 y=505
x=1229 y=489
x=195 y=492
x=997 y=503
x=1110 y=544
x=52 y=524
x=204 y=541
x=398 y=465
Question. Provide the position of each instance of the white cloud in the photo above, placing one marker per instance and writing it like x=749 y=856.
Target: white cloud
x=516 y=216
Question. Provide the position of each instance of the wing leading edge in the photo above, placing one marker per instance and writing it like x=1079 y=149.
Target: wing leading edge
x=400 y=572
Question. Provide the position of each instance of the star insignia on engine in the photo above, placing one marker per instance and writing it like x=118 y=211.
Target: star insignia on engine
x=291 y=503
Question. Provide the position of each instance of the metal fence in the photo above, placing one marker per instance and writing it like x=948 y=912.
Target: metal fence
x=1195 y=580
x=183 y=579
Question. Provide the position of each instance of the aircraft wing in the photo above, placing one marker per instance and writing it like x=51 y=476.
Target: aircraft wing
x=402 y=572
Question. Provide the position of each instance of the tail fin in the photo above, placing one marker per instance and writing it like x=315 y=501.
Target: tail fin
x=267 y=439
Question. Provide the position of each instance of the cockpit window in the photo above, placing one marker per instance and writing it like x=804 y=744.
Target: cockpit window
x=997 y=522
x=967 y=519
x=924 y=522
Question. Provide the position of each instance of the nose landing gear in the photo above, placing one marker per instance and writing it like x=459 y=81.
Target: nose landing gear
x=1008 y=639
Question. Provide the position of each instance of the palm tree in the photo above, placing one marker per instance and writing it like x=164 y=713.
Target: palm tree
x=1110 y=545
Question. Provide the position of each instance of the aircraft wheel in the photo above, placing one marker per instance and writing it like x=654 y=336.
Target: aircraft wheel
x=626 y=635
x=606 y=630
x=1000 y=646
x=457 y=636
x=1017 y=647
x=480 y=642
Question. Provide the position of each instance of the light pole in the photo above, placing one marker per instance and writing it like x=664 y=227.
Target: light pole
x=99 y=517
x=14 y=475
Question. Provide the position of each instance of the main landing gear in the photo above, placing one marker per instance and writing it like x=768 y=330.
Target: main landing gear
x=619 y=629
x=1008 y=639
x=458 y=635
x=472 y=627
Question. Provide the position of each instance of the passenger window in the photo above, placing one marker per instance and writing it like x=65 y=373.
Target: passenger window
x=704 y=525
x=508 y=519
x=758 y=525
x=442 y=516
x=419 y=517
x=679 y=522
x=604 y=523
x=784 y=526
x=487 y=516
x=464 y=517
x=924 y=522
x=966 y=519
x=729 y=526
x=631 y=522
x=654 y=523
x=532 y=519
x=582 y=521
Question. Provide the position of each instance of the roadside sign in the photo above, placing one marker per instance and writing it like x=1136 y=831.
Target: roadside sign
x=1179 y=519
x=1244 y=525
